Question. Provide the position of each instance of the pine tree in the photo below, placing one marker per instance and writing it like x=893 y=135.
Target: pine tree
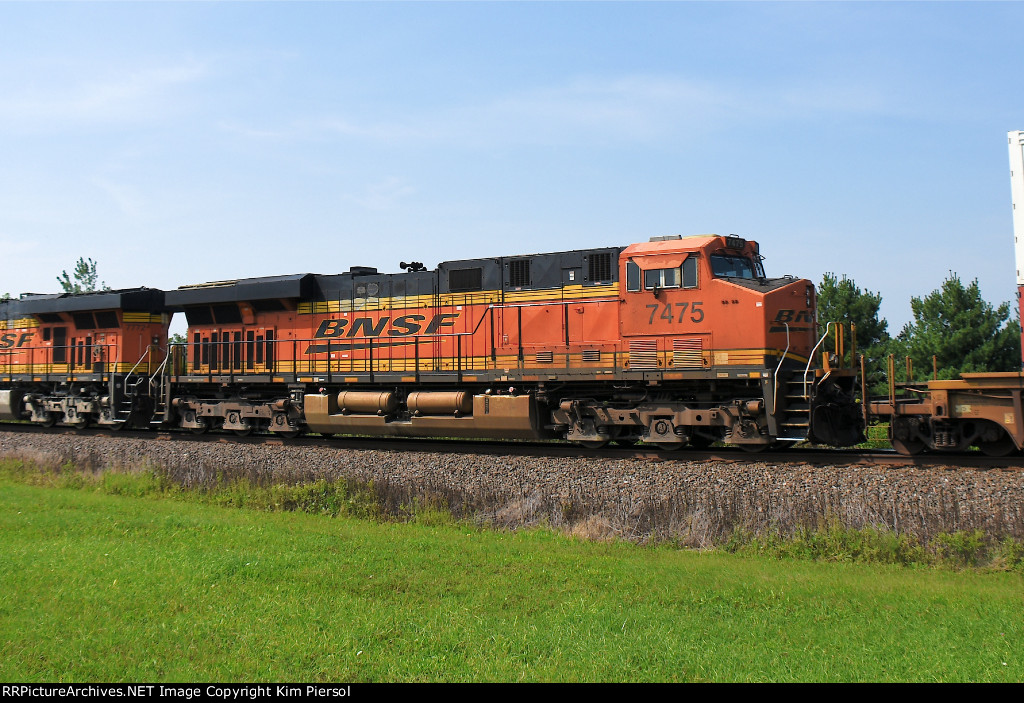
x=842 y=300
x=84 y=279
x=963 y=331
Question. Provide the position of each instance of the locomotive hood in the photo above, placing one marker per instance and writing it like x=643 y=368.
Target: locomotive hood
x=763 y=285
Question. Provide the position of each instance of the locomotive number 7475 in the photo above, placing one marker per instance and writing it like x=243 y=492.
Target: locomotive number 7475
x=696 y=313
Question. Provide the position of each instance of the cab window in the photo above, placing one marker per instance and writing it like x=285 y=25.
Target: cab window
x=632 y=276
x=690 y=272
x=684 y=276
x=734 y=266
x=661 y=278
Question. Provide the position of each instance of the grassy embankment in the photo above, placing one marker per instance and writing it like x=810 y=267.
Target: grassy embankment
x=122 y=577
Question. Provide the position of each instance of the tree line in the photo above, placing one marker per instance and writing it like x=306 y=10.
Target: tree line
x=953 y=330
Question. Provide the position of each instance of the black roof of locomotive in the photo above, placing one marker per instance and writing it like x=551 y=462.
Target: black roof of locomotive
x=546 y=272
x=132 y=299
x=299 y=285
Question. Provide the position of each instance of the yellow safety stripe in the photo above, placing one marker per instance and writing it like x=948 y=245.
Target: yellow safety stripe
x=317 y=364
x=20 y=323
x=129 y=317
x=145 y=317
x=492 y=297
x=79 y=369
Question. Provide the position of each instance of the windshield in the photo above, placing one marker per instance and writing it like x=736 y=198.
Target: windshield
x=734 y=266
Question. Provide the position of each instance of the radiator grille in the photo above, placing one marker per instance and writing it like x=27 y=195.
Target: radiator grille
x=591 y=356
x=519 y=273
x=643 y=354
x=460 y=280
x=545 y=357
x=686 y=353
x=600 y=267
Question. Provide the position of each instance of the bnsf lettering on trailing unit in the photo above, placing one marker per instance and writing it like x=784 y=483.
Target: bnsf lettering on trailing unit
x=11 y=340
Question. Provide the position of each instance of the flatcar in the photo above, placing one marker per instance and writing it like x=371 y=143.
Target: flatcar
x=676 y=341
x=982 y=410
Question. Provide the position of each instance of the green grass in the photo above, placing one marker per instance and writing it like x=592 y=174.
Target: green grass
x=118 y=582
x=876 y=437
x=957 y=550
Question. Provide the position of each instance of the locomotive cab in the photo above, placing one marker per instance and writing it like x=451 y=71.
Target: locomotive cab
x=709 y=296
x=729 y=347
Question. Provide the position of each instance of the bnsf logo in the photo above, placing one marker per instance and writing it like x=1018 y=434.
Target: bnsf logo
x=791 y=316
x=10 y=340
x=404 y=326
x=400 y=327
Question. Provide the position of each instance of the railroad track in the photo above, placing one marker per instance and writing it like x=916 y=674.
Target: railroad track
x=554 y=449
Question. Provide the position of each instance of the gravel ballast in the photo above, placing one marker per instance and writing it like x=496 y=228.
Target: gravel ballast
x=696 y=503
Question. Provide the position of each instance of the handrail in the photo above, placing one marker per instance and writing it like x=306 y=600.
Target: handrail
x=810 y=357
x=775 y=394
x=30 y=364
x=163 y=365
x=372 y=344
x=139 y=362
x=149 y=376
x=159 y=373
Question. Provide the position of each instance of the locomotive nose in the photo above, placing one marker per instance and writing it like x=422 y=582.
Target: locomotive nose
x=790 y=315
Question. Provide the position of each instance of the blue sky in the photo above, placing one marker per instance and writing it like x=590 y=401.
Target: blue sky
x=184 y=142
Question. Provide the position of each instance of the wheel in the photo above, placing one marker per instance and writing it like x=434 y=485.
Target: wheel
x=245 y=432
x=290 y=434
x=699 y=442
x=753 y=448
x=50 y=421
x=604 y=434
x=1003 y=446
x=907 y=447
x=116 y=427
x=627 y=441
x=199 y=430
x=668 y=446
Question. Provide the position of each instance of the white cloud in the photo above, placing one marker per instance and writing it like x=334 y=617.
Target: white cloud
x=126 y=198
x=320 y=128
x=619 y=109
x=626 y=108
x=383 y=195
x=118 y=96
x=13 y=246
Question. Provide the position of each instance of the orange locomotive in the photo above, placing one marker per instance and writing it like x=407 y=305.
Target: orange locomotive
x=78 y=359
x=675 y=342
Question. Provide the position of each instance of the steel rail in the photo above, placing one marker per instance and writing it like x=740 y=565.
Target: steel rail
x=558 y=449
